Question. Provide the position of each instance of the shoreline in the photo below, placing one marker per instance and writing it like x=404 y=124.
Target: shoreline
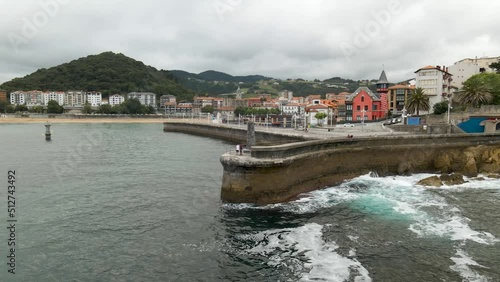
x=20 y=120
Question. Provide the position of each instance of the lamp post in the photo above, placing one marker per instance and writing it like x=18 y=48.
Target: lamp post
x=449 y=106
x=363 y=120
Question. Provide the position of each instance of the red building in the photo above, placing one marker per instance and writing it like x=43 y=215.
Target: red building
x=364 y=105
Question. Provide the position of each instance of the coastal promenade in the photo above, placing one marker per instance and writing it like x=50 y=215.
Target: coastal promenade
x=316 y=133
x=273 y=173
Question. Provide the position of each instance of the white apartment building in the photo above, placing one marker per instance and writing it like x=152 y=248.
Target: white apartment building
x=464 y=69
x=34 y=98
x=146 y=98
x=94 y=98
x=18 y=98
x=75 y=99
x=56 y=96
x=436 y=82
x=292 y=109
x=116 y=99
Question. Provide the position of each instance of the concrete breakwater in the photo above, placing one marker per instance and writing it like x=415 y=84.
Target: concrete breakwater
x=292 y=165
x=280 y=173
x=232 y=134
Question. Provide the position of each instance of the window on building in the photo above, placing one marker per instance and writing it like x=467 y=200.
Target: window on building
x=362 y=98
x=428 y=82
x=358 y=108
x=430 y=91
x=348 y=107
x=358 y=117
x=400 y=92
x=366 y=108
x=374 y=107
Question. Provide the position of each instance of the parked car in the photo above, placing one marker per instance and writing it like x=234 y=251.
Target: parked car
x=348 y=125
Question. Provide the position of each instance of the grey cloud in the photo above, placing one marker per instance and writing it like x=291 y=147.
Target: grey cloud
x=274 y=38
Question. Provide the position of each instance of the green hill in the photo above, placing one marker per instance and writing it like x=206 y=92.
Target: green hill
x=107 y=72
x=212 y=75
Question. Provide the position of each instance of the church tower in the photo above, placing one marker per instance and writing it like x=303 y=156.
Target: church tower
x=239 y=94
x=382 y=90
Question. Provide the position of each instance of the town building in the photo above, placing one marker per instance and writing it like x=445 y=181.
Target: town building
x=436 y=83
x=53 y=96
x=287 y=94
x=363 y=105
x=164 y=99
x=75 y=98
x=94 y=98
x=184 y=108
x=226 y=111
x=464 y=69
x=18 y=98
x=313 y=99
x=146 y=98
x=3 y=95
x=397 y=97
x=314 y=109
x=201 y=102
x=34 y=98
x=116 y=99
x=292 y=109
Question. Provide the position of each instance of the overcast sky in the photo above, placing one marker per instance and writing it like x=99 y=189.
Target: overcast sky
x=278 y=38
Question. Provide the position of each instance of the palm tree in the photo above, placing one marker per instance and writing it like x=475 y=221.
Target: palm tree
x=418 y=101
x=475 y=93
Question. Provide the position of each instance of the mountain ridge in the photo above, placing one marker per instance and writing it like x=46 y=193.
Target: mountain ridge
x=106 y=72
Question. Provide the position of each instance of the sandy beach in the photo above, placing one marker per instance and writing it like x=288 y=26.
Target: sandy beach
x=81 y=120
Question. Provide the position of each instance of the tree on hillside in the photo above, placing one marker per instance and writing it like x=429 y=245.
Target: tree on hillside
x=54 y=108
x=417 y=101
x=37 y=109
x=10 y=109
x=87 y=108
x=207 y=109
x=495 y=66
x=21 y=108
x=132 y=106
x=3 y=106
x=104 y=109
x=492 y=81
x=117 y=109
x=440 y=108
x=147 y=110
x=475 y=92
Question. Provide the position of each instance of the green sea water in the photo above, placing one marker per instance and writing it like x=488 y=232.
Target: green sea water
x=128 y=202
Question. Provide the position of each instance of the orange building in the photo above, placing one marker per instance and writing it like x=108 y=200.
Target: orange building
x=3 y=95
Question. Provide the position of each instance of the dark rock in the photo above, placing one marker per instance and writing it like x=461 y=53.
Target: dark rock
x=452 y=179
x=431 y=181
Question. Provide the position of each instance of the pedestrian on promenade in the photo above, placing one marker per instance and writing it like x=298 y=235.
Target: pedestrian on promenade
x=241 y=149
x=237 y=148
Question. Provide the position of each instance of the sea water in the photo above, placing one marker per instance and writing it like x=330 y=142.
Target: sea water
x=128 y=202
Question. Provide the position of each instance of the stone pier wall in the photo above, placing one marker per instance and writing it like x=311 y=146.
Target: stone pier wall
x=235 y=135
x=280 y=173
